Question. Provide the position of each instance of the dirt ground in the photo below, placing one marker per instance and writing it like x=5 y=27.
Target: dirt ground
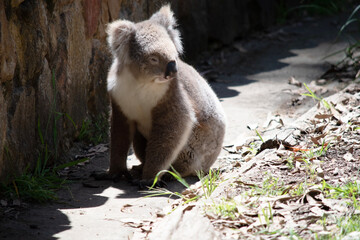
x=251 y=78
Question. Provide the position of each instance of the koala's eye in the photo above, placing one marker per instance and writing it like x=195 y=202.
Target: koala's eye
x=154 y=60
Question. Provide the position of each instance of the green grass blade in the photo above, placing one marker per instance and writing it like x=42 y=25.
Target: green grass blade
x=258 y=134
x=347 y=24
x=70 y=164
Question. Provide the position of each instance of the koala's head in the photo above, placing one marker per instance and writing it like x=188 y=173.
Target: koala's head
x=150 y=49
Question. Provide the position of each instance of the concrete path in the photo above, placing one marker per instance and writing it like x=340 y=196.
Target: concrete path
x=252 y=86
x=258 y=82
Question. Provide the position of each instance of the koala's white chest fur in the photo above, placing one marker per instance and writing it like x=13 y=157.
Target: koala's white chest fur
x=136 y=98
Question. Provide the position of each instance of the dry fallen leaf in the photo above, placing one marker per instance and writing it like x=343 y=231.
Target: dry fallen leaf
x=314 y=140
x=293 y=81
x=125 y=208
x=135 y=223
x=323 y=116
x=98 y=149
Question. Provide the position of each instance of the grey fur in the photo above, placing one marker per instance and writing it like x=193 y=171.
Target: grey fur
x=174 y=120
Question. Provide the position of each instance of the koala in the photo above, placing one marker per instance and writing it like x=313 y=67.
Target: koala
x=160 y=104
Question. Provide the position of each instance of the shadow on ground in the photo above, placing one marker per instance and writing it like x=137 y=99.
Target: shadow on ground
x=268 y=52
x=46 y=221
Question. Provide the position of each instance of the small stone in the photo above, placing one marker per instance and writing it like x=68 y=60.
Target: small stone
x=320 y=172
x=284 y=167
x=316 y=162
x=16 y=202
x=297 y=132
x=3 y=203
x=352 y=236
x=321 y=82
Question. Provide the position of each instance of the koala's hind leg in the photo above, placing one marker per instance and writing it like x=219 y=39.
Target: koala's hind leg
x=202 y=149
x=187 y=162
x=167 y=137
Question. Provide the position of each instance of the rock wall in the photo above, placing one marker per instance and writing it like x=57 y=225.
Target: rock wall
x=54 y=61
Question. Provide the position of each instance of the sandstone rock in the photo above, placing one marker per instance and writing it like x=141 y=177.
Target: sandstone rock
x=134 y=10
x=114 y=9
x=352 y=236
x=97 y=92
x=21 y=142
x=15 y=3
x=91 y=11
x=3 y=126
x=39 y=38
x=184 y=224
x=7 y=51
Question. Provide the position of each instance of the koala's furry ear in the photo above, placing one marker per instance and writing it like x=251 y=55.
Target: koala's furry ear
x=165 y=17
x=119 y=34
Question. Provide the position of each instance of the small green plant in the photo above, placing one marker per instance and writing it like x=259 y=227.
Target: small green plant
x=209 y=182
x=323 y=222
x=253 y=148
x=267 y=216
x=350 y=191
x=226 y=209
x=39 y=185
x=314 y=153
x=299 y=189
x=290 y=162
x=311 y=154
x=351 y=51
x=313 y=95
x=152 y=192
x=348 y=224
x=271 y=186
x=95 y=131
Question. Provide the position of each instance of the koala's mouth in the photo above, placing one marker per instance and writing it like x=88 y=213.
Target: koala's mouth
x=163 y=79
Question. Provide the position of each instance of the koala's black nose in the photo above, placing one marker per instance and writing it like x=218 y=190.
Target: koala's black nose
x=170 y=68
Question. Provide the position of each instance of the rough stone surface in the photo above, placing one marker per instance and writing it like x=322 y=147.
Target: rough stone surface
x=184 y=224
x=54 y=62
x=352 y=236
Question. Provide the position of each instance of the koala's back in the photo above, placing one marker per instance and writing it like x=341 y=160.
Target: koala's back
x=205 y=101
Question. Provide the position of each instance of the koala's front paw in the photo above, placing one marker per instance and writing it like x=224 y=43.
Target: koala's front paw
x=115 y=177
x=144 y=184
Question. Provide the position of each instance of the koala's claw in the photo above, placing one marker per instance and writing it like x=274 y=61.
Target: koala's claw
x=147 y=184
